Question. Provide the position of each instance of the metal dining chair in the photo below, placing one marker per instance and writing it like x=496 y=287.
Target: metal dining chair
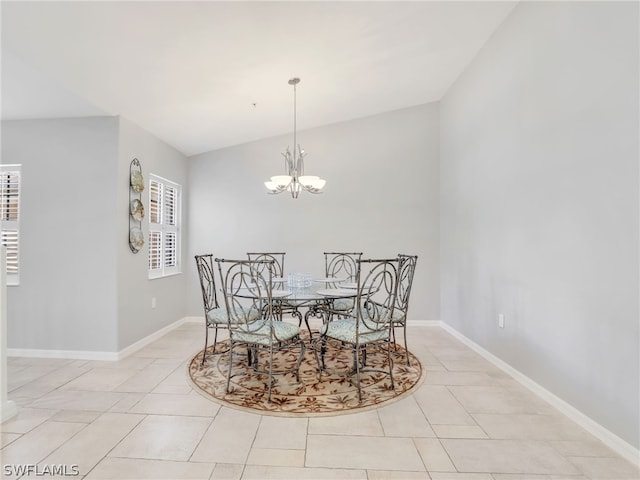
x=370 y=325
x=215 y=316
x=247 y=287
x=343 y=266
x=282 y=306
x=406 y=270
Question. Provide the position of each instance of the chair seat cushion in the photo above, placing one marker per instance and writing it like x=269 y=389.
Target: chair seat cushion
x=218 y=316
x=398 y=316
x=259 y=332
x=345 y=331
x=381 y=314
x=343 y=304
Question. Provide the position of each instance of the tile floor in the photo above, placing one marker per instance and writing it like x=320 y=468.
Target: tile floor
x=140 y=419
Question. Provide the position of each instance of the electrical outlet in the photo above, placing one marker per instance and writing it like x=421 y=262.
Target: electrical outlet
x=501 y=320
x=153 y=302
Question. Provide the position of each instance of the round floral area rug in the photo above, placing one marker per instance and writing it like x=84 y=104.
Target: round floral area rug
x=336 y=393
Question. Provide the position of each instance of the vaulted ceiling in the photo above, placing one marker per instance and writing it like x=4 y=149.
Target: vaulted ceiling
x=205 y=75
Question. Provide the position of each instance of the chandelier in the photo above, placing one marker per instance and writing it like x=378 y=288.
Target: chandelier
x=295 y=180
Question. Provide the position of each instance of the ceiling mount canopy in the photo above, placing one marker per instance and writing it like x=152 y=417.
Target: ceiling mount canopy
x=295 y=180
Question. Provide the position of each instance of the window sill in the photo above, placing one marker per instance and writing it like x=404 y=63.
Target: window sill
x=157 y=277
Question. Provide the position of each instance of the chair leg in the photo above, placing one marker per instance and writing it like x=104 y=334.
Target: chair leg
x=206 y=340
x=302 y=350
x=215 y=338
x=406 y=348
x=270 y=380
x=356 y=361
x=393 y=387
x=230 y=365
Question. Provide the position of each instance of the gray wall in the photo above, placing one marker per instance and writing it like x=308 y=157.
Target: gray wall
x=66 y=299
x=136 y=317
x=539 y=203
x=81 y=288
x=381 y=198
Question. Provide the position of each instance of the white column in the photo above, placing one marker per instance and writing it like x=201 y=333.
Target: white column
x=7 y=407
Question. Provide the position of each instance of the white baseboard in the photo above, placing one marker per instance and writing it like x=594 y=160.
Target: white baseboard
x=102 y=356
x=617 y=444
x=424 y=323
x=143 y=342
x=68 y=354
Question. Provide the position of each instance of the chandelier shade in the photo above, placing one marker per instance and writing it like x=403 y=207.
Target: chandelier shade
x=295 y=180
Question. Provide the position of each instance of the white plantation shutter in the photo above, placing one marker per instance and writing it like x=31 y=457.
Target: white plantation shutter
x=164 y=227
x=10 y=218
x=155 y=250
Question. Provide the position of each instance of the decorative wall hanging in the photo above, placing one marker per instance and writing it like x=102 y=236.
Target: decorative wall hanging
x=136 y=208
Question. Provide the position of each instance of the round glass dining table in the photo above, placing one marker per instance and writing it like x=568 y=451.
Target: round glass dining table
x=317 y=298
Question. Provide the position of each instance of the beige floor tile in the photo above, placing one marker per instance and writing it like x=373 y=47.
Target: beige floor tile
x=78 y=400
x=77 y=416
x=227 y=471
x=459 y=431
x=494 y=399
x=7 y=438
x=528 y=476
x=144 y=381
x=434 y=455
x=137 y=469
x=91 y=444
x=26 y=420
x=441 y=407
x=276 y=457
x=530 y=426
x=34 y=446
x=393 y=475
x=606 y=468
x=464 y=476
x=364 y=423
x=129 y=363
x=168 y=362
x=171 y=404
x=582 y=448
x=461 y=378
x=258 y=472
x=229 y=438
x=173 y=389
x=282 y=432
x=21 y=402
x=163 y=438
x=49 y=382
x=18 y=377
x=374 y=453
x=404 y=419
x=127 y=402
x=177 y=377
x=99 y=379
x=507 y=456
x=38 y=362
x=458 y=403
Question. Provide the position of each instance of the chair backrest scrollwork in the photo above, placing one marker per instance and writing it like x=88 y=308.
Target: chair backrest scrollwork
x=204 y=263
x=276 y=257
x=377 y=289
x=247 y=290
x=342 y=265
x=406 y=270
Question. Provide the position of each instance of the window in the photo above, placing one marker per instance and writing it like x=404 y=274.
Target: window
x=10 y=219
x=164 y=227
